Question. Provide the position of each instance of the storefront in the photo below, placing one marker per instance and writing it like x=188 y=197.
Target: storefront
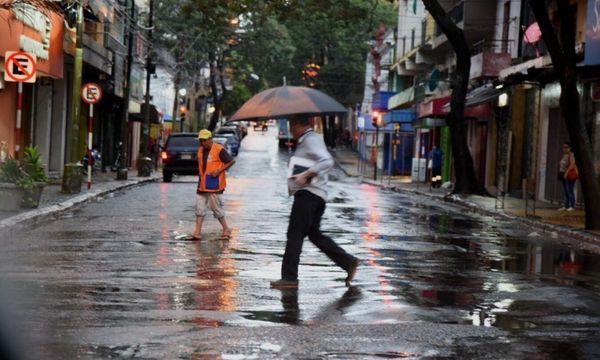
x=432 y=130
x=26 y=28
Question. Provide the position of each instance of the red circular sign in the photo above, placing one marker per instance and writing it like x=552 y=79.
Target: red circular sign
x=91 y=93
x=26 y=73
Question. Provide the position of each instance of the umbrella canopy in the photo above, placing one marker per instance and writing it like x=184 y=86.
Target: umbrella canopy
x=284 y=101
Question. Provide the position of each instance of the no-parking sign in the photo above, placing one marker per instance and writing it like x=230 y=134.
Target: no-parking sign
x=19 y=66
x=91 y=93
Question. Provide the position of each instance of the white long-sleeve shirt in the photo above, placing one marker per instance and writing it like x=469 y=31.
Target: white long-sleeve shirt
x=311 y=146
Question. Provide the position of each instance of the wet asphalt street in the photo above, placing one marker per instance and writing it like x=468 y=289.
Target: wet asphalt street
x=111 y=280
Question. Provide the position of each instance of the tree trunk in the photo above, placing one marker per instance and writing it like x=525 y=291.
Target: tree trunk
x=564 y=62
x=216 y=70
x=466 y=181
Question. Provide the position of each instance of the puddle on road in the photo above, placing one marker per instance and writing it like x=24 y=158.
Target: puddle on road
x=420 y=264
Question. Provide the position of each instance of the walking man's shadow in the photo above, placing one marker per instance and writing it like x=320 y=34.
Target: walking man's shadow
x=329 y=313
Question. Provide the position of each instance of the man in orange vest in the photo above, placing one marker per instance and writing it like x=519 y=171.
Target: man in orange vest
x=213 y=161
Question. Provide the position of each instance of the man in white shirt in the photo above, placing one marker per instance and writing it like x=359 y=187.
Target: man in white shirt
x=309 y=190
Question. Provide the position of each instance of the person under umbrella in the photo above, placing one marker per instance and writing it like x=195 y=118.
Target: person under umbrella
x=308 y=186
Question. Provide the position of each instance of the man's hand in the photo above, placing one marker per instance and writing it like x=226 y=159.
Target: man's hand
x=302 y=178
x=214 y=173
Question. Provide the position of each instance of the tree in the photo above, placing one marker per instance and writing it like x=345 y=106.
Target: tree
x=466 y=181
x=260 y=59
x=199 y=34
x=274 y=39
x=564 y=62
x=334 y=34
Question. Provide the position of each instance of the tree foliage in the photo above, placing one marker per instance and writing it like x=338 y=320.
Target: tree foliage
x=335 y=35
x=274 y=39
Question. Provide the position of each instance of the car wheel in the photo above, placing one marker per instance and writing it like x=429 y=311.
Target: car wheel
x=167 y=176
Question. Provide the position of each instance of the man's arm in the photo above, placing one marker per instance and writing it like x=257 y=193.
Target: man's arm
x=323 y=161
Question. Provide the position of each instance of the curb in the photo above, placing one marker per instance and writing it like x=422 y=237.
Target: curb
x=588 y=241
x=36 y=216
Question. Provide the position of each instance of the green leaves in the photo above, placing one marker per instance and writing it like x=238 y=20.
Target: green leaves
x=26 y=174
x=274 y=39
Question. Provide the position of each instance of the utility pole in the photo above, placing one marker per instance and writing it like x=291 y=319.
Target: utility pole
x=145 y=162
x=376 y=121
x=176 y=84
x=122 y=170
x=376 y=152
x=71 y=181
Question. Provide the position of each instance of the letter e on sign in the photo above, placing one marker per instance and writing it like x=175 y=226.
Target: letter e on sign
x=91 y=93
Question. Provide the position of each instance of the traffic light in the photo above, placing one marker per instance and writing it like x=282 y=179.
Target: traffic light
x=182 y=111
x=310 y=73
x=376 y=119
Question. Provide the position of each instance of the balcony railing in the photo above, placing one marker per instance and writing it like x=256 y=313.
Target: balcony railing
x=493 y=46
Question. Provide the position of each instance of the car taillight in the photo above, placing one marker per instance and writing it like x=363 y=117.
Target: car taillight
x=164 y=155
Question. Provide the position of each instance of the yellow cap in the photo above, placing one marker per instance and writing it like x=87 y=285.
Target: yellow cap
x=204 y=134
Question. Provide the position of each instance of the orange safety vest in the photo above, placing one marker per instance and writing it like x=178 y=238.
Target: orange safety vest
x=213 y=162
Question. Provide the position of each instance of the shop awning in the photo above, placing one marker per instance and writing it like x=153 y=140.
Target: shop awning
x=480 y=95
x=433 y=107
x=403 y=99
x=440 y=107
x=429 y=122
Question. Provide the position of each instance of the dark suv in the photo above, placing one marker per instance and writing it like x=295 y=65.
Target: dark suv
x=179 y=155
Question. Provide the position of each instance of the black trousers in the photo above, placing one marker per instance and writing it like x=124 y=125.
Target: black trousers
x=305 y=220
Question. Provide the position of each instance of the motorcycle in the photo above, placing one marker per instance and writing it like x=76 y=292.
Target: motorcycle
x=94 y=158
x=117 y=163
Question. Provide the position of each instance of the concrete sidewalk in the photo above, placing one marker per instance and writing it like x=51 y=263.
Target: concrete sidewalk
x=54 y=202
x=565 y=226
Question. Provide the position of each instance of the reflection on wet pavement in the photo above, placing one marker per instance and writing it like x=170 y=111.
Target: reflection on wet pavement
x=115 y=264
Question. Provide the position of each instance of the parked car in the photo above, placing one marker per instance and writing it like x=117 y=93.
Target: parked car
x=242 y=128
x=179 y=155
x=227 y=143
x=236 y=130
x=234 y=141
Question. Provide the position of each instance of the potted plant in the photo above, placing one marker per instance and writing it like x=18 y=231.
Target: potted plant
x=22 y=183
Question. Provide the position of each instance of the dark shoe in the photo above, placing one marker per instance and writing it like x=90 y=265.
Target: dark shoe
x=352 y=271
x=284 y=284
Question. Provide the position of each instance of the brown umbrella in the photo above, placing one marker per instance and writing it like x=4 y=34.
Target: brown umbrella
x=284 y=101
